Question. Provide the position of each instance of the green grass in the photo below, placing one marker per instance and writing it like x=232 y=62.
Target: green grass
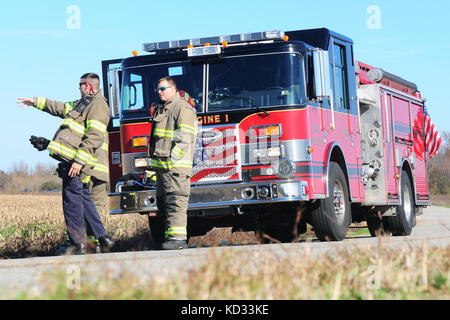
x=29 y=230
x=359 y=232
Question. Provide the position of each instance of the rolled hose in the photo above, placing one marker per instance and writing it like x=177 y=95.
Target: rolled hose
x=378 y=74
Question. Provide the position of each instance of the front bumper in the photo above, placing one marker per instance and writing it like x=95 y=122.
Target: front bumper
x=217 y=196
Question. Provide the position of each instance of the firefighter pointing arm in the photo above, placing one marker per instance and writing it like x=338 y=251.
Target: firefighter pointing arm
x=62 y=110
x=77 y=145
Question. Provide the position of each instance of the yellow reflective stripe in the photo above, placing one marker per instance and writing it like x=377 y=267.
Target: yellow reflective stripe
x=178 y=151
x=161 y=164
x=83 y=155
x=80 y=128
x=187 y=128
x=171 y=164
x=182 y=164
x=105 y=146
x=40 y=102
x=164 y=133
x=68 y=106
x=92 y=238
x=96 y=124
x=37 y=103
x=101 y=168
x=73 y=125
x=58 y=148
x=176 y=231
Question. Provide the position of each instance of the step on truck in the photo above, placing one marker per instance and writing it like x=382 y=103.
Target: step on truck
x=292 y=131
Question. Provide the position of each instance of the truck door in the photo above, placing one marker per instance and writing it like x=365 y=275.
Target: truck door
x=112 y=80
x=345 y=113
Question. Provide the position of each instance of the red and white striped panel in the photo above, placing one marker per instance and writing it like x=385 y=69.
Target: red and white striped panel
x=216 y=156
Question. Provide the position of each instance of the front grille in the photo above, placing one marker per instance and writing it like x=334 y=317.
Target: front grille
x=216 y=155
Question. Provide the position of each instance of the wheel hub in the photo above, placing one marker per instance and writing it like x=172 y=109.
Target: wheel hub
x=339 y=202
x=407 y=205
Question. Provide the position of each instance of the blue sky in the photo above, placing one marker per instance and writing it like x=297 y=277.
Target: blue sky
x=44 y=47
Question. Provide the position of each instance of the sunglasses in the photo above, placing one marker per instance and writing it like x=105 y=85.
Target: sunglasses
x=87 y=84
x=162 y=88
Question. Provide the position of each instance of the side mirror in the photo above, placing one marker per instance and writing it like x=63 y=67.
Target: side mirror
x=115 y=90
x=322 y=86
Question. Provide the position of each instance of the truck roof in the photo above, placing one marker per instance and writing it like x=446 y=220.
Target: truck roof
x=229 y=51
x=309 y=38
x=316 y=37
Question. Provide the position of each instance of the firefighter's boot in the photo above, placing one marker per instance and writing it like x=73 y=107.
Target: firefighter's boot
x=72 y=249
x=174 y=245
x=106 y=243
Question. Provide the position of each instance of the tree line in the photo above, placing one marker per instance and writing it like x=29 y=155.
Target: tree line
x=438 y=168
x=21 y=177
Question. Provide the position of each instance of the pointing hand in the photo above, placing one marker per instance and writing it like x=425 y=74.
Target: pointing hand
x=25 y=102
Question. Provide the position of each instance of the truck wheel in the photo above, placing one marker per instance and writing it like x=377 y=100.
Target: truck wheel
x=330 y=217
x=157 y=228
x=404 y=221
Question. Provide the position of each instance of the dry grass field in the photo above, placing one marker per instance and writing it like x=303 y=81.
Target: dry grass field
x=33 y=225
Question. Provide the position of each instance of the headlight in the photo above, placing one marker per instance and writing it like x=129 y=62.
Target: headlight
x=290 y=190
x=267 y=153
x=141 y=162
x=284 y=168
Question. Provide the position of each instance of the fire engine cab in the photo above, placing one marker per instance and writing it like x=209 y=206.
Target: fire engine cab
x=292 y=130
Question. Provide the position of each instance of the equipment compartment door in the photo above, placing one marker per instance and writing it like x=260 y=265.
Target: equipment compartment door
x=388 y=140
x=417 y=154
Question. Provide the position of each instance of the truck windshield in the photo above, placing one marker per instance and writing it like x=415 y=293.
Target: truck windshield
x=139 y=85
x=254 y=81
x=238 y=82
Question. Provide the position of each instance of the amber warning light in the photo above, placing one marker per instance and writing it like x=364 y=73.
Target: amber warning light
x=139 y=142
x=266 y=131
x=224 y=40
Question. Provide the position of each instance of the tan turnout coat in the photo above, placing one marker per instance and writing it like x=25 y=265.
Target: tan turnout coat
x=82 y=136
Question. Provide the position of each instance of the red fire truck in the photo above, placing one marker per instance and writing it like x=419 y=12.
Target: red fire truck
x=292 y=131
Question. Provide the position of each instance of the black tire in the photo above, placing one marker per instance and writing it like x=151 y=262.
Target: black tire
x=405 y=220
x=331 y=217
x=157 y=228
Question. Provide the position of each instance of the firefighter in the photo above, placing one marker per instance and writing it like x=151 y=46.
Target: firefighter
x=77 y=144
x=98 y=189
x=172 y=138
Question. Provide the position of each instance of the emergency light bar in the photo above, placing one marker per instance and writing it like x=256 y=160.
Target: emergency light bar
x=212 y=41
x=204 y=51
